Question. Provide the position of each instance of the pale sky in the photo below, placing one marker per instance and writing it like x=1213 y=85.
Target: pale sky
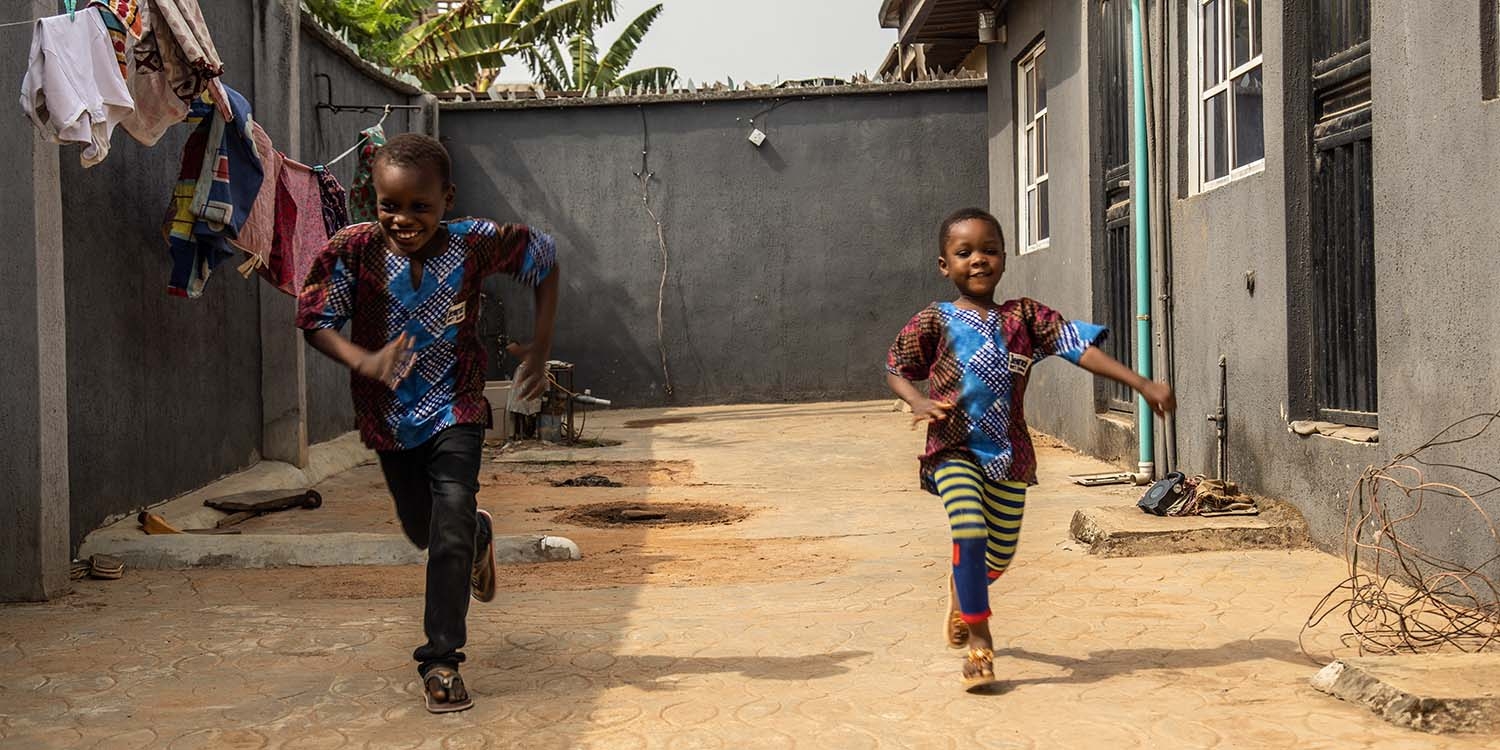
x=754 y=40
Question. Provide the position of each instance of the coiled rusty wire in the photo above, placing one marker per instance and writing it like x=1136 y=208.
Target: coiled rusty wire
x=1400 y=597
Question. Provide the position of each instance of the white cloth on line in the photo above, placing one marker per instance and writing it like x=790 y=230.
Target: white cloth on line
x=72 y=90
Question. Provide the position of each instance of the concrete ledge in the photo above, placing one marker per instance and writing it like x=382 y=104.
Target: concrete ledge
x=1434 y=693
x=172 y=551
x=188 y=511
x=1125 y=531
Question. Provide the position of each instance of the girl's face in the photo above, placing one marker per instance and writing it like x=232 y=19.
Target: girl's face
x=973 y=258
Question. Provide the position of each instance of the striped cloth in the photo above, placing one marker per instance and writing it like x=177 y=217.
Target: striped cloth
x=219 y=181
x=985 y=518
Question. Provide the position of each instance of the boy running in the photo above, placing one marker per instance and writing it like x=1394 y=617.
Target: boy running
x=410 y=283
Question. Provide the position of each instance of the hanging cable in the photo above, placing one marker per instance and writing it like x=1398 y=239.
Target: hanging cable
x=645 y=176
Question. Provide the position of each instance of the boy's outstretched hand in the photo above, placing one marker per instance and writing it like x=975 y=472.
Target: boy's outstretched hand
x=1159 y=397
x=534 y=364
x=927 y=411
x=390 y=364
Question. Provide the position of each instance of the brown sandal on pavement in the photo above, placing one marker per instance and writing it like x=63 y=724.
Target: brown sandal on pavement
x=955 y=630
x=445 y=692
x=482 y=578
x=979 y=669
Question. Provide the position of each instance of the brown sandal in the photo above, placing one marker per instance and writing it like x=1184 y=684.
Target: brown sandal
x=955 y=630
x=444 y=691
x=979 y=669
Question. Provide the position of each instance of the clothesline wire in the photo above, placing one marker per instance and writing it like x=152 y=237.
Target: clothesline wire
x=359 y=142
x=68 y=7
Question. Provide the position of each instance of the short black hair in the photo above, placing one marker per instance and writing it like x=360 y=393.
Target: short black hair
x=968 y=214
x=416 y=150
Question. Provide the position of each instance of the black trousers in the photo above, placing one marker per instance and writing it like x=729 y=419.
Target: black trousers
x=434 y=486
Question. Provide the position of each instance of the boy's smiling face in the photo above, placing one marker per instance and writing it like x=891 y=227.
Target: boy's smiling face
x=412 y=201
x=973 y=258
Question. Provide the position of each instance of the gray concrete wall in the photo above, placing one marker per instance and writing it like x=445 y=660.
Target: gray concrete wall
x=1435 y=168
x=1437 y=175
x=791 y=266
x=33 y=412
x=163 y=393
x=325 y=135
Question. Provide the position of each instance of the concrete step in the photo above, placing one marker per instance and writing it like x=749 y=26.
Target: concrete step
x=124 y=539
x=171 y=551
x=1126 y=531
x=1437 y=693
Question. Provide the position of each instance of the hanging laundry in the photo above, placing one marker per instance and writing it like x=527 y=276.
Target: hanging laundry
x=362 y=206
x=120 y=34
x=175 y=60
x=127 y=11
x=277 y=266
x=335 y=201
x=259 y=230
x=119 y=40
x=281 y=270
x=72 y=90
x=219 y=181
x=305 y=187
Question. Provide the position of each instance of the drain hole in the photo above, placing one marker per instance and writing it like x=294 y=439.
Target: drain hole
x=588 y=480
x=637 y=424
x=542 y=473
x=615 y=515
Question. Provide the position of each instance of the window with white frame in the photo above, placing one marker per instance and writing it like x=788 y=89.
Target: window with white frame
x=1230 y=114
x=1033 y=225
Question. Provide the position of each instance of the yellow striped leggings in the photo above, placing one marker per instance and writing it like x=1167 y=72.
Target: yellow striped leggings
x=986 y=520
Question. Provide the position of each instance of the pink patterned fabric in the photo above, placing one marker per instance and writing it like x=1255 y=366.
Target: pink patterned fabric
x=259 y=230
x=311 y=234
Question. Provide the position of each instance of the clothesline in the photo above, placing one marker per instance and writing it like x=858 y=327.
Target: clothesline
x=69 y=7
x=234 y=191
x=359 y=142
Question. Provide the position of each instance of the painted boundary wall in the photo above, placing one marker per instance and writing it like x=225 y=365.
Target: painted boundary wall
x=791 y=266
x=117 y=395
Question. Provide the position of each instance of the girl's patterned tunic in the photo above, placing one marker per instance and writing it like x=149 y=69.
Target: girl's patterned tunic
x=980 y=362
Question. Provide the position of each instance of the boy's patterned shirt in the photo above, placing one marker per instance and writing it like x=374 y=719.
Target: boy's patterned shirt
x=357 y=278
x=981 y=363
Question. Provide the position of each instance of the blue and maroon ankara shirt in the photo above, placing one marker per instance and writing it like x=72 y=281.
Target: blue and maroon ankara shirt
x=356 y=278
x=980 y=362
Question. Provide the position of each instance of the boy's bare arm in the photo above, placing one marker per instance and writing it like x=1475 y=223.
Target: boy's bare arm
x=378 y=365
x=535 y=353
x=1159 y=396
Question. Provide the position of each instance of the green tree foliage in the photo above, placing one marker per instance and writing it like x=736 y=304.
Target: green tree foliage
x=582 y=69
x=373 y=26
x=469 y=43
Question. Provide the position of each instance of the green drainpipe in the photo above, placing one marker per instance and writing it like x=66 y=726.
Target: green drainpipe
x=1140 y=220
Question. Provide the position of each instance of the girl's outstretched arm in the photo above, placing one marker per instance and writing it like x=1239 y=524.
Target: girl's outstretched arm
x=1159 y=396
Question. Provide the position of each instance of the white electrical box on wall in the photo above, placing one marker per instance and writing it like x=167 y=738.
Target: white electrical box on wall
x=757 y=137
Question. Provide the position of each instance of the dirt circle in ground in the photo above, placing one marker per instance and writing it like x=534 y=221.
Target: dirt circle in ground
x=622 y=515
